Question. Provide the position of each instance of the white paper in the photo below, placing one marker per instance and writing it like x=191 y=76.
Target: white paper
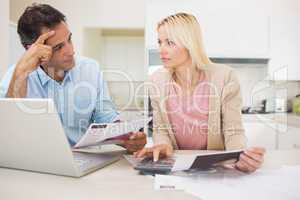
x=98 y=135
x=276 y=184
x=164 y=182
x=185 y=161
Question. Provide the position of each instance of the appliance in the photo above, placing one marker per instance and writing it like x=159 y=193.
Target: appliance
x=269 y=105
x=281 y=105
x=32 y=138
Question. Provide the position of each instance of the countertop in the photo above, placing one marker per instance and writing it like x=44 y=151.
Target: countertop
x=285 y=119
x=116 y=181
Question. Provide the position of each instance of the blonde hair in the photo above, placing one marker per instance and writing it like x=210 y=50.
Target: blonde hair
x=184 y=29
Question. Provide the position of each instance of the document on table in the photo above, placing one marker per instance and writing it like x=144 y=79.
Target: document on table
x=110 y=133
x=204 y=160
x=224 y=184
x=180 y=162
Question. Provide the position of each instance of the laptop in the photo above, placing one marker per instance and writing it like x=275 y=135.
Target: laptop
x=32 y=138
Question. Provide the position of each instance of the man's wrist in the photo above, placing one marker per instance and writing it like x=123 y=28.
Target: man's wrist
x=21 y=72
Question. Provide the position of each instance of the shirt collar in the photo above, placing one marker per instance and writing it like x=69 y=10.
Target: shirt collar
x=44 y=78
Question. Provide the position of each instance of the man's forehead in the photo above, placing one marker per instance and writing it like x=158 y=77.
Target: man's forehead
x=62 y=34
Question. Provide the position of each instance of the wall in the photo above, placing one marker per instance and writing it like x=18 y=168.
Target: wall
x=91 y=13
x=120 y=53
x=4 y=23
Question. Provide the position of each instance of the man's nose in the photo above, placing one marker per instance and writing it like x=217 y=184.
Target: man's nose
x=69 y=50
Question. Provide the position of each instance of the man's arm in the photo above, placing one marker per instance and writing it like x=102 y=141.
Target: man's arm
x=37 y=54
x=18 y=85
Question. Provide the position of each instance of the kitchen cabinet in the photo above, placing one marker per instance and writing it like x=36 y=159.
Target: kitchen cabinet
x=261 y=134
x=230 y=29
x=272 y=131
x=120 y=52
x=4 y=22
x=289 y=139
x=284 y=40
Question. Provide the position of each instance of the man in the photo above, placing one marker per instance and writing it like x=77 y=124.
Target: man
x=49 y=69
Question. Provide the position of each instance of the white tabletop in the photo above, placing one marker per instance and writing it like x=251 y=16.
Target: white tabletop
x=117 y=181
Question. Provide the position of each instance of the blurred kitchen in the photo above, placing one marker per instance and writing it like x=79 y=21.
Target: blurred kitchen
x=260 y=39
x=114 y=39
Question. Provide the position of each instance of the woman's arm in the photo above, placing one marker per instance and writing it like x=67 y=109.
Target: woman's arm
x=232 y=127
x=231 y=117
x=162 y=143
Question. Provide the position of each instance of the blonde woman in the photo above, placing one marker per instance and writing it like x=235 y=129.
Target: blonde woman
x=196 y=103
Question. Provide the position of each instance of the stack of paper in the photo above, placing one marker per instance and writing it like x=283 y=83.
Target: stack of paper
x=277 y=184
x=110 y=133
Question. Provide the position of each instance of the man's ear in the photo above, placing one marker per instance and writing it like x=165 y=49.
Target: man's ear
x=27 y=46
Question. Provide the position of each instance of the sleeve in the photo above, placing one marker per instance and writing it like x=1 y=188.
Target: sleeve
x=232 y=127
x=160 y=129
x=105 y=111
x=4 y=84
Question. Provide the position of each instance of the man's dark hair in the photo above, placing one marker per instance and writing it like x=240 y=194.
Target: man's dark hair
x=34 y=19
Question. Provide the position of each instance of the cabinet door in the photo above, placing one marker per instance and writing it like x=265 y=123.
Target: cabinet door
x=290 y=139
x=243 y=34
x=284 y=40
x=261 y=134
x=230 y=28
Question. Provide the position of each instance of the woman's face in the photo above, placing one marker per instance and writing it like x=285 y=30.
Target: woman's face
x=172 y=55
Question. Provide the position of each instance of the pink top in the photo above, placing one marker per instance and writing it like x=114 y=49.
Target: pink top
x=188 y=116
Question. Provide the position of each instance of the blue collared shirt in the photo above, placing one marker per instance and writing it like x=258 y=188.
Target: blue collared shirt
x=81 y=98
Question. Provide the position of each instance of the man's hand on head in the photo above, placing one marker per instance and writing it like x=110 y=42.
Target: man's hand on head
x=37 y=54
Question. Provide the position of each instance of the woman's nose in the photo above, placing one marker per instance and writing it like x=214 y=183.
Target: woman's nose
x=162 y=51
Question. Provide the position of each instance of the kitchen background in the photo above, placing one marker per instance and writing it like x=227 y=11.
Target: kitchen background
x=260 y=39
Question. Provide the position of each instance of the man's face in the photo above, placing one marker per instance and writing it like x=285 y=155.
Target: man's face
x=62 y=46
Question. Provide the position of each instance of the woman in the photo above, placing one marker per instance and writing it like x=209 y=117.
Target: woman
x=196 y=103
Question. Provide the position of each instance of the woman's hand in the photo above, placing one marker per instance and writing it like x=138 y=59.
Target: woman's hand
x=157 y=151
x=251 y=159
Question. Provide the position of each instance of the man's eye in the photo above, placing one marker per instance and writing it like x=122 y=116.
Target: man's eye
x=57 y=48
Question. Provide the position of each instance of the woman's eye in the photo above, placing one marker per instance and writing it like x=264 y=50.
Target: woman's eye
x=171 y=43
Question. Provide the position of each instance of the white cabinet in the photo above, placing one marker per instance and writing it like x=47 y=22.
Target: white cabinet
x=120 y=52
x=289 y=139
x=284 y=40
x=261 y=134
x=271 y=132
x=230 y=29
x=4 y=22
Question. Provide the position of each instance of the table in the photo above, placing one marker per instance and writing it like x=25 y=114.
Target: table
x=116 y=181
